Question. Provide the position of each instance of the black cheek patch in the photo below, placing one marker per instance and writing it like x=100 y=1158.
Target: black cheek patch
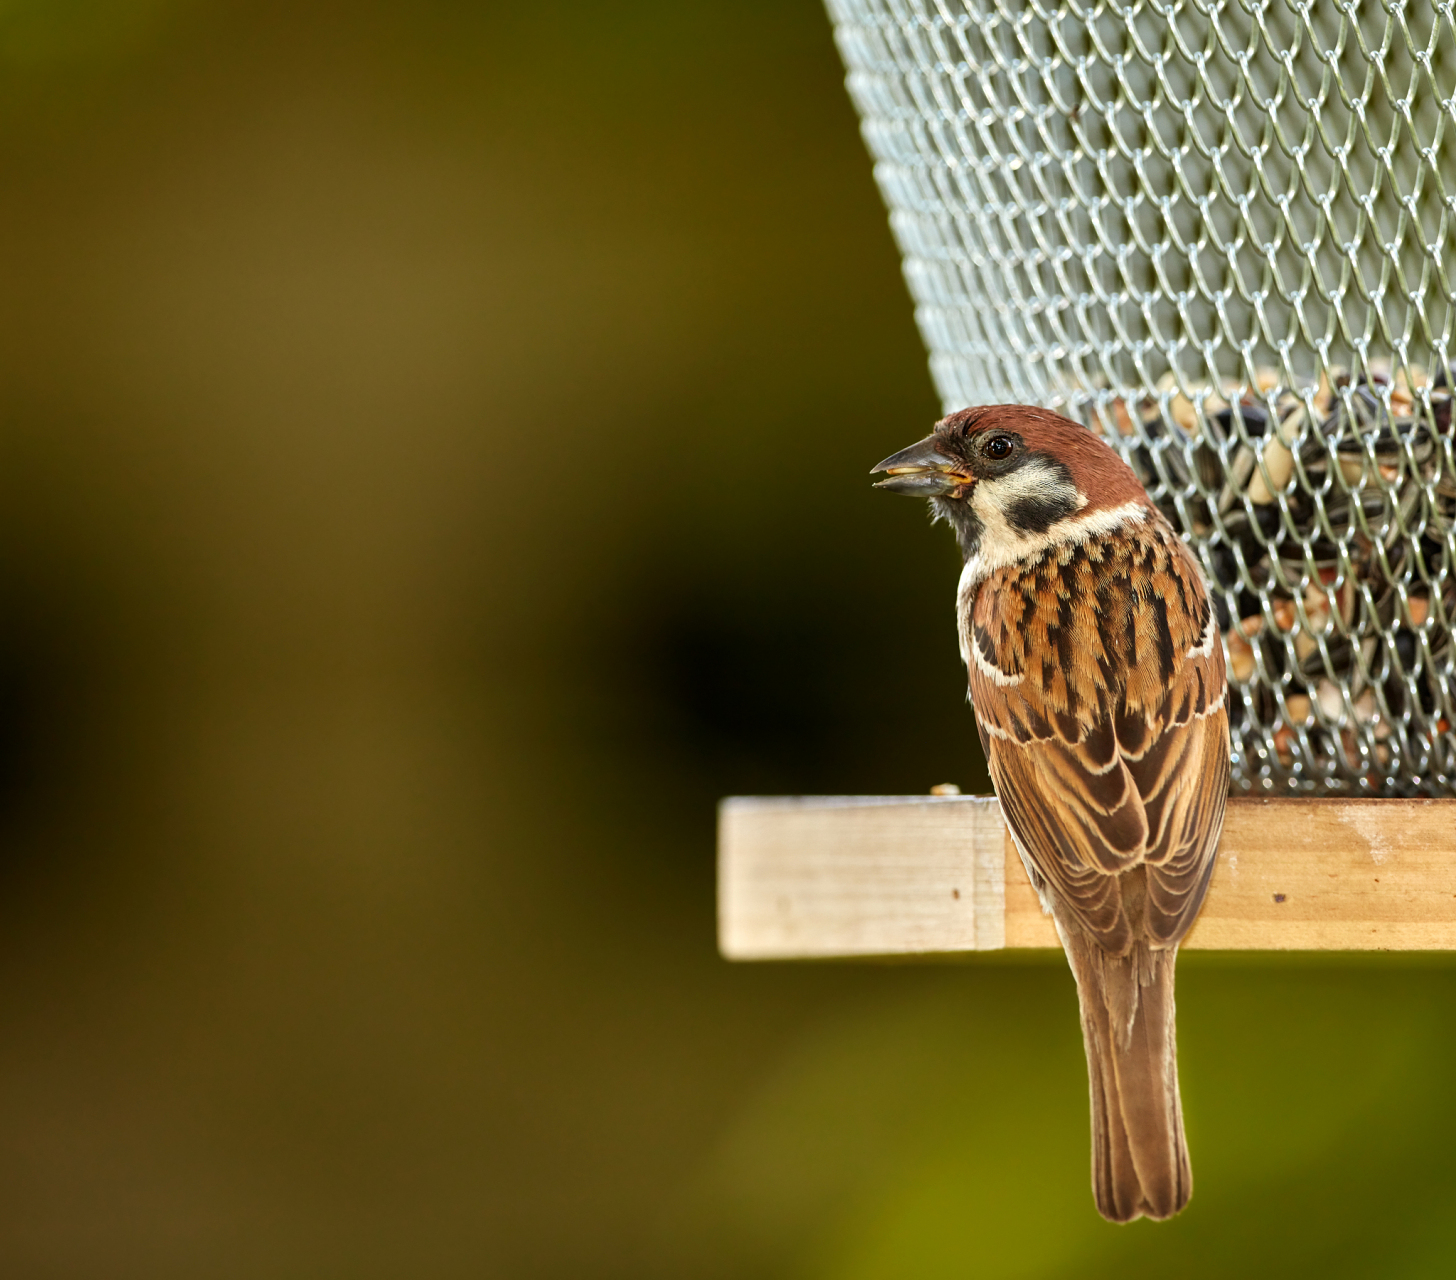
x=1038 y=514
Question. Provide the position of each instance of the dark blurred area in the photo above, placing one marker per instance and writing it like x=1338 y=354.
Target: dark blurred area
x=433 y=471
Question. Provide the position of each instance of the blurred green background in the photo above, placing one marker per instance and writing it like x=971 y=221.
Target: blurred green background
x=433 y=471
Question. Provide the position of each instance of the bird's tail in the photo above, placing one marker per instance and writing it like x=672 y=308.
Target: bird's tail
x=1139 y=1154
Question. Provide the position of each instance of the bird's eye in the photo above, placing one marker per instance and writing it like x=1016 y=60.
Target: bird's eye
x=997 y=448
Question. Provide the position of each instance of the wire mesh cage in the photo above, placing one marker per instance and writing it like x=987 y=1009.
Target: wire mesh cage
x=1222 y=233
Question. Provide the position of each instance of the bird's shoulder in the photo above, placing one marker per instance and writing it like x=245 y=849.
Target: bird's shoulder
x=1088 y=617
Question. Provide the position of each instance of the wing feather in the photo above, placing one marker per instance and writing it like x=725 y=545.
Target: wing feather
x=1099 y=699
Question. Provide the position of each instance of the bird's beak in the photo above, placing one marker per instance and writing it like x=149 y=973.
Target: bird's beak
x=922 y=471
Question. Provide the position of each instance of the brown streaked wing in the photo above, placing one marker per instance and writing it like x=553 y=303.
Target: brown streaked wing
x=1105 y=735
x=1179 y=871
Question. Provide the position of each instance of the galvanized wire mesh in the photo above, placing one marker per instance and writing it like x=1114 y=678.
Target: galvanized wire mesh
x=1223 y=234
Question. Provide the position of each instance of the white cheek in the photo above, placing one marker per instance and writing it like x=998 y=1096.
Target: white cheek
x=997 y=537
x=990 y=499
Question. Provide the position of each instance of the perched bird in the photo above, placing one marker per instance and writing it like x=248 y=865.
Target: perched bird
x=1098 y=683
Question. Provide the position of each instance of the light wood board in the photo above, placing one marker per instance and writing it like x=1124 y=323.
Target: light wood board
x=902 y=875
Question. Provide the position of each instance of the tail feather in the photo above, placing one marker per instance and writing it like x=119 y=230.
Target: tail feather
x=1139 y=1154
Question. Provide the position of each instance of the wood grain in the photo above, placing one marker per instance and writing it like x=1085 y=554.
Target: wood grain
x=906 y=875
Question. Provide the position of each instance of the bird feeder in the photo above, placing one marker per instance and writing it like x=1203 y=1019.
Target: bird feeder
x=1223 y=236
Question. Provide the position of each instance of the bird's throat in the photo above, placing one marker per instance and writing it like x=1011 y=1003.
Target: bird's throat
x=967 y=526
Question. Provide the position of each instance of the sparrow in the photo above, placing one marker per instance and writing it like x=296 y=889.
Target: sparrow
x=1097 y=677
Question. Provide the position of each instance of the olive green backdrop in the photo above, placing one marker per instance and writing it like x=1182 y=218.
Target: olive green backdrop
x=433 y=451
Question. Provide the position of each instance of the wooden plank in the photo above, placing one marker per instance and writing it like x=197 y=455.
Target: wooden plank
x=905 y=875
x=844 y=876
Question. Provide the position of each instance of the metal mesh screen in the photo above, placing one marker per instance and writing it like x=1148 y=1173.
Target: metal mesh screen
x=1223 y=234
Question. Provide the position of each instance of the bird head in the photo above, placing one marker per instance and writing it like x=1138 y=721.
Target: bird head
x=1009 y=479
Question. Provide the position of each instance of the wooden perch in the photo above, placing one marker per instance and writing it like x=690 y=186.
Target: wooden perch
x=900 y=875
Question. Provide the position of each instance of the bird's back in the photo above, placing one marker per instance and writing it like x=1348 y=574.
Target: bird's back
x=1098 y=683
